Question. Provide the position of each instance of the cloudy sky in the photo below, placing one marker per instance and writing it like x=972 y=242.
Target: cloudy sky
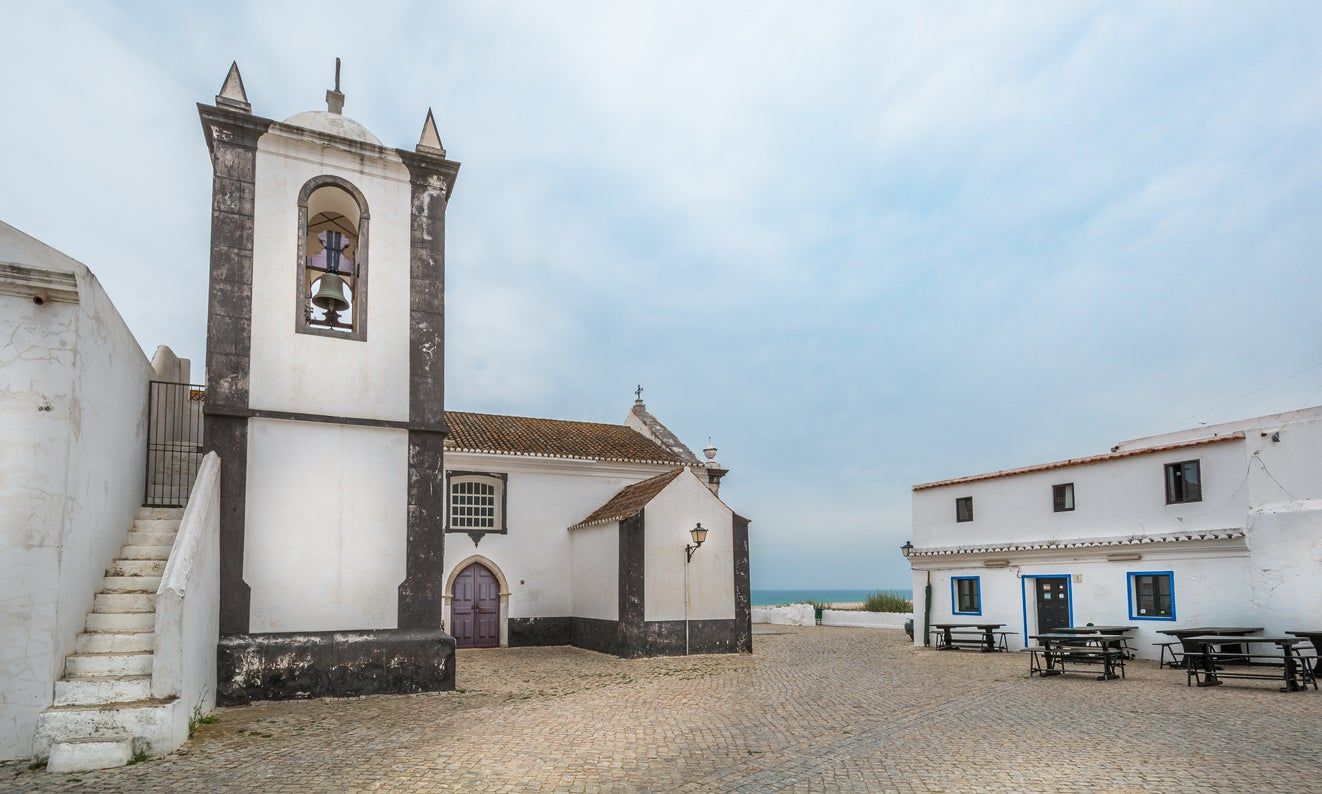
x=862 y=246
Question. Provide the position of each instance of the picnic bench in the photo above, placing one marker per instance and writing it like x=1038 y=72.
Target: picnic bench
x=953 y=636
x=1060 y=649
x=1178 y=657
x=1206 y=665
x=1312 y=635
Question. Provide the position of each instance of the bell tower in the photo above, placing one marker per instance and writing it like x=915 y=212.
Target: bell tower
x=325 y=400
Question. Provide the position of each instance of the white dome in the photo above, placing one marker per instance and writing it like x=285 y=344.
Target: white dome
x=333 y=124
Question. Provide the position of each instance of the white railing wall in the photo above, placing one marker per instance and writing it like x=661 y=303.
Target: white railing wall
x=188 y=601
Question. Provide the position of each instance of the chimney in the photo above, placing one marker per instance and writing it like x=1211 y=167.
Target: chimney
x=714 y=470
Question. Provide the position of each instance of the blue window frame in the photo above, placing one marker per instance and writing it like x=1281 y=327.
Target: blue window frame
x=966 y=595
x=1151 y=595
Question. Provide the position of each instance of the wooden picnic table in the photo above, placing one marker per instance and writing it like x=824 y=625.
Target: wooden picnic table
x=1098 y=629
x=1206 y=631
x=1295 y=671
x=1060 y=647
x=1312 y=635
x=987 y=643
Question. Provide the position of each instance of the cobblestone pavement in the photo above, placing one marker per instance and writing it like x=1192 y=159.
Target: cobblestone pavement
x=813 y=709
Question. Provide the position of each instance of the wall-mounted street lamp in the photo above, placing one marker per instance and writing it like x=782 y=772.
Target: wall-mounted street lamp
x=699 y=535
x=907 y=547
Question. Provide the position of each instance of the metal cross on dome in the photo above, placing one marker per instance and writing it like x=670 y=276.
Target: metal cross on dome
x=638 y=393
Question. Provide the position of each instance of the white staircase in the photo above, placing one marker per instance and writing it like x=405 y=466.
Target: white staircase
x=103 y=710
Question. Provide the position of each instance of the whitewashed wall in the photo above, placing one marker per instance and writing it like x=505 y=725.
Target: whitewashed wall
x=313 y=374
x=1211 y=587
x=1268 y=488
x=188 y=609
x=1285 y=565
x=73 y=401
x=668 y=519
x=326 y=525
x=861 y=619
x=596 y=572
x=788 y=615
x=544 y=498
x=1115 y=498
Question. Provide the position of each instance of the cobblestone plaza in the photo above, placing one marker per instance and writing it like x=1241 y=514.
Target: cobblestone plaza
x=813 y=709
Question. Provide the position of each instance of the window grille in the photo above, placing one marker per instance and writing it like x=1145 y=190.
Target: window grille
x=473 y=505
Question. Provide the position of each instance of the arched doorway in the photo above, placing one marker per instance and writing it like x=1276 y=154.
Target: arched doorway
x=475 y=617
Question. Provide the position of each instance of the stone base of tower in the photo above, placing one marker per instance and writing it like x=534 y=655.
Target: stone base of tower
x=294 y=665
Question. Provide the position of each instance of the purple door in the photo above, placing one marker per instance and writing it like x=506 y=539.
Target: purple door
x=475 y=610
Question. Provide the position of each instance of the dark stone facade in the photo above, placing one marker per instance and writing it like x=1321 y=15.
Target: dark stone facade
x=332 y=664
x=232 y=140
x=431 y=180
x=539 y=631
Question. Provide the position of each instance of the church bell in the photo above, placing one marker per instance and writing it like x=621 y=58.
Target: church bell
x=330 y=294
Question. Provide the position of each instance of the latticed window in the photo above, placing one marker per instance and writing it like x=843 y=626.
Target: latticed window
x=474 y=504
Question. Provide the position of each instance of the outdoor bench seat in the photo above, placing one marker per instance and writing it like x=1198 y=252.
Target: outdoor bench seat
x=1305 y=670
x=1174 y=649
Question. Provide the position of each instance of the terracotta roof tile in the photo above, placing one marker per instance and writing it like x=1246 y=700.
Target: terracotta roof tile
x=552 y=438
x=630 y=500
x=1060 y=464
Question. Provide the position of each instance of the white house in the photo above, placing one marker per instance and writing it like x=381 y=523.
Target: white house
x=1215 y=525
x=312 y=521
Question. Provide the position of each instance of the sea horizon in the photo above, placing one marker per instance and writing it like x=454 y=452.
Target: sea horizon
x=799 y=595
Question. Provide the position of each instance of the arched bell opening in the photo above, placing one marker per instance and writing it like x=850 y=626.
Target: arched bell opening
x=332 y=241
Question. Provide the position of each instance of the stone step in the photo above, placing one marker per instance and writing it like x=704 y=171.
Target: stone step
x=150 y=513
x=121 y=621
x=85 y=664
x=115 y=642
x=137 y=568
x=144 y=553
x=99 y=689
x=149 y=722
x=170 y=525
x=130 y=584
x=88 y=753
x=149 y=539
x=124 y=602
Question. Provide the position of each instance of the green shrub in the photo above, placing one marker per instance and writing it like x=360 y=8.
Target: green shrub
x=887 y=601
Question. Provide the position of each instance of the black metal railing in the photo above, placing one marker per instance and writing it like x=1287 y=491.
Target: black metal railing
x=174 y=442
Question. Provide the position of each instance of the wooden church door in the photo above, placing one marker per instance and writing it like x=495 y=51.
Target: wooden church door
x=475 y=609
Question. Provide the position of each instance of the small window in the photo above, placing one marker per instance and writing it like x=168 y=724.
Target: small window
x=966 y=592
x=1062 y=497
x=964 y=508
x=476 y=503
x=1152 y=595
x=1184 y=482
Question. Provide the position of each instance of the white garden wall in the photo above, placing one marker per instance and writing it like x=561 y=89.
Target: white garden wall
x=73 y=403
x=860 y=619
x=789 y=615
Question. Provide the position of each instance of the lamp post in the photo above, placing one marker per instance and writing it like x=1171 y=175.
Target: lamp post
x=699 y=535
x=907 y=547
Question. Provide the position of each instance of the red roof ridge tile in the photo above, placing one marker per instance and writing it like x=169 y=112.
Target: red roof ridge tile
x=1060 y=464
